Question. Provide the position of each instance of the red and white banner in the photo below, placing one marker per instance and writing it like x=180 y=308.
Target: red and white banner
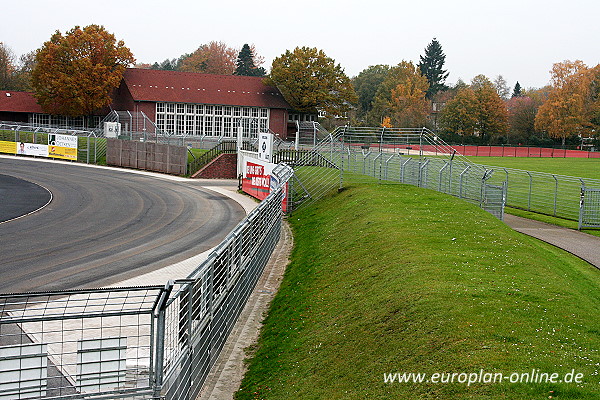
x=257 y=180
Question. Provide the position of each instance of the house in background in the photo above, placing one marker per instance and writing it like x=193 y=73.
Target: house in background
x=180 y=103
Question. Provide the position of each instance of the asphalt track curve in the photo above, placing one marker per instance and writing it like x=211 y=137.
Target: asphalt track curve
x=19 y=197
x=104 y=226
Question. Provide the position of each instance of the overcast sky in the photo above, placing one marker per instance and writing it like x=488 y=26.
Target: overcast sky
x=518 y=39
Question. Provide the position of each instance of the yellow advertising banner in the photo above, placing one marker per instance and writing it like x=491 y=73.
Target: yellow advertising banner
x=8 y=147
x=65 y=153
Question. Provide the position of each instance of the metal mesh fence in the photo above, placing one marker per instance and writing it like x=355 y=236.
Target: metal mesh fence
x=200 y=315
x=94 y=343
x=136 y=343
x=411 y=156
x=589 y=213
x=418 y=157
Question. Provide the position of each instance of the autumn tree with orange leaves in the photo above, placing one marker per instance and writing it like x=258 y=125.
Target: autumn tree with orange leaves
x=401 y=96
x=573 y=104
x=76 y=73
x=211 y=58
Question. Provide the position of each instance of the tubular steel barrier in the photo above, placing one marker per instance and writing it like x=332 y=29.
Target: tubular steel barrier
x=136 y=343
x=418 y=157
x=391 y=155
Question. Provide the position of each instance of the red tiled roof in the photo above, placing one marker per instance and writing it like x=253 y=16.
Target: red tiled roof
x=188 y=87
x=22 y=102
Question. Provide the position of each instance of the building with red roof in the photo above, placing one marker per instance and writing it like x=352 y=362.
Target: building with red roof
x=16 y=106
x=182 y=103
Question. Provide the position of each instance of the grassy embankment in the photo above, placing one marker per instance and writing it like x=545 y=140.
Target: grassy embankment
x=393 y=278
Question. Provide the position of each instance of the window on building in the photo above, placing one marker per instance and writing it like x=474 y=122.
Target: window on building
x=227 y=125
x=160 y=121
x=180 y=124
x=218 y=131
x=170 y=124
x=189 y=124
x=199 y=125
x=208 y=126
x=210 y=119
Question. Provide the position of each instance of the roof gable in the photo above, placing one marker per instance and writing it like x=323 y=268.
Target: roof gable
x=189 y=87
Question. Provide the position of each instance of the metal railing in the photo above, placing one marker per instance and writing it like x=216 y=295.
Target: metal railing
x=69 y=344
x=199 y=162
x=136 y=343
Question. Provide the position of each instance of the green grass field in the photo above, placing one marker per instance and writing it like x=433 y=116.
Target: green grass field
x=196 y=152
x=394 y=278
x=580 y=167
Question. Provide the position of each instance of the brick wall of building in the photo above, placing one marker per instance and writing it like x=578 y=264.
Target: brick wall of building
x=222 y=167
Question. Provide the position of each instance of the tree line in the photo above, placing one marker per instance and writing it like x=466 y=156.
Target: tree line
x=75 y=73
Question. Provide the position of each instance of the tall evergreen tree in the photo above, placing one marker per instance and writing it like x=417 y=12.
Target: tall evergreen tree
x=517 y=92
x=431 y=66
x=245 y=63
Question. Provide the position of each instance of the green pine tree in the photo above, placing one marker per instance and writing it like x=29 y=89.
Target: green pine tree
x=245 y=63
x=431 y=66
x=517 y=92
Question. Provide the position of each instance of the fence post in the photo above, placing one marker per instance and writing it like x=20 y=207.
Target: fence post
x=581 y=206
x=342 y=158
x=421 y=168
x=159 y=313
x=440 y=177
x=460 y=187
x=530 y=185
x=555 y=192
x=402 y=168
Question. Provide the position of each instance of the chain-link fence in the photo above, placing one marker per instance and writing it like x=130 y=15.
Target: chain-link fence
x=86 y=343
x=136 y=343
x=411 y=156
x=589 y=208
x=544 y=193
x=418 y=157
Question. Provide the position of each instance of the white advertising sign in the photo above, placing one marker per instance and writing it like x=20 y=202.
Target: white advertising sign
x=62 y=141
x=32 y=149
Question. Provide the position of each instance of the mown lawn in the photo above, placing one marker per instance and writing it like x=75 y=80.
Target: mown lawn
x=394 y=278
